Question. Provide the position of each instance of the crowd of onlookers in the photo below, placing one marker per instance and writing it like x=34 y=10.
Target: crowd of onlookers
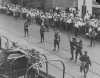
x=68 y=20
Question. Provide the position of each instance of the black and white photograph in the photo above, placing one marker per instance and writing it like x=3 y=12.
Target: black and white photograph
x=49 y=38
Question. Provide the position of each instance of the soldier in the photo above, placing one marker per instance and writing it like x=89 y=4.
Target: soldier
x=72 y=47
x=78 y=49
x=92 y=37
x=56 y=40
x=42 y=30
x=26 y=30
x=85 y=63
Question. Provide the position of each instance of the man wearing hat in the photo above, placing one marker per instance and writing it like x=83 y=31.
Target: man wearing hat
x=85 y=62
x=42 y=30
x=56 y=40
x=72 y=47
x=79 y=46
x=26 y=28
x=92 y=35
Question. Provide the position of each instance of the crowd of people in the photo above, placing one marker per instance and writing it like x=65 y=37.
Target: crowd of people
x=66 y=19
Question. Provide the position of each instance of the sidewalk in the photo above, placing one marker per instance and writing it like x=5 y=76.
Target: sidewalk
x=72 y=69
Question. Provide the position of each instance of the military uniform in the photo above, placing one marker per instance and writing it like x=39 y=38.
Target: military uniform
x=85 y=62
x=72 y=47
x=92 y=38
x=78 y=49
x=56 y=40
x=42 y=30
x=26 y=30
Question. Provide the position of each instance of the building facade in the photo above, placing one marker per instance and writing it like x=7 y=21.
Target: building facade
x=50 y=3
x=61 y=3
x=87 y=3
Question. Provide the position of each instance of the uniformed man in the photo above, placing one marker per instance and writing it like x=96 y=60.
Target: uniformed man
x=85 y=63
x=26 y=29
x=42 y=30
x=92 y=37
x=72 y=47
x=56 y=40
x=78 y=52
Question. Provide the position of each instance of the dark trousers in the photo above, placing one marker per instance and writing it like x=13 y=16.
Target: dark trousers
x=84 y=67
x=92 y=41
x=26 y=32
x=42 y=37
x=76 y=31
x=56 y=44
x=72 y=53
x=78 y=52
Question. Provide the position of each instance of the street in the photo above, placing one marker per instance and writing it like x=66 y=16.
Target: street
x=14 y=29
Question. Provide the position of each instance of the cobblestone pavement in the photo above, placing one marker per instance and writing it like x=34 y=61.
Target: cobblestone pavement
x=13 y=28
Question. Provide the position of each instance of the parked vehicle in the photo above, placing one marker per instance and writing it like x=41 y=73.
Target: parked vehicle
x=15 y=64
